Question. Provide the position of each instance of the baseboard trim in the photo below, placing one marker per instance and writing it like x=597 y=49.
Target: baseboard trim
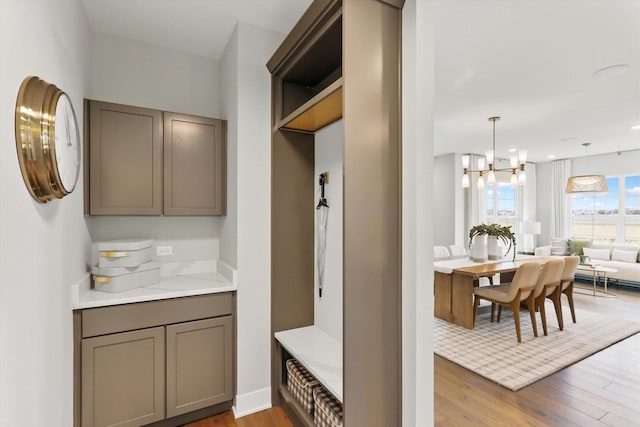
x=249 y=403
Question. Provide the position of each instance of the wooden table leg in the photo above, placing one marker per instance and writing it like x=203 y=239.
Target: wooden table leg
x=442 y=296
x=462 y=300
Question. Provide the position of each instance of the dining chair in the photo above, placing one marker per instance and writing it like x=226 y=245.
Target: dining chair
x=568 y=276
x=549 y=286
x=457 y=250
x=511 y=295
x=440 y=252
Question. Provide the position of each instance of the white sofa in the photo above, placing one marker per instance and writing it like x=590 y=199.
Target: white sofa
x=623 y=258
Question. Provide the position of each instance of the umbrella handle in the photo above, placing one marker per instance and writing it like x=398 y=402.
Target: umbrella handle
x=321 y=181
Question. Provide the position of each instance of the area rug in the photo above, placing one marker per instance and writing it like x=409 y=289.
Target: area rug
x=492 y=349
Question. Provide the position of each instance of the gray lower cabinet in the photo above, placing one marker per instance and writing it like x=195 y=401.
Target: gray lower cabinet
x=145 y=362
x=123 y=378
x=199 y=364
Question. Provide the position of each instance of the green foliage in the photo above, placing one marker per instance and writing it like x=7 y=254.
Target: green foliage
x=502 y=232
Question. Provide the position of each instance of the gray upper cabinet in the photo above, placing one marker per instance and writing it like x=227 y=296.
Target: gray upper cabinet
x=148 y=162
x=125 y=160
x=194 y=165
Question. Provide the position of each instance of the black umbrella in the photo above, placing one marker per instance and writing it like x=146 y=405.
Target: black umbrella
x=323 y=216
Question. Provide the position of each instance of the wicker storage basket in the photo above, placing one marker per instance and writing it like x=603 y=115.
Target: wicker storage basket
x=328 y=412
x=301 y=384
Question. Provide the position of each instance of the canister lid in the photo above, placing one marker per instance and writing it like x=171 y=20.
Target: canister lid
x=124 y=245
x=121 y=271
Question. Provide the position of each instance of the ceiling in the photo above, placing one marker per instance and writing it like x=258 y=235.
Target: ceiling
x=530 y=62
x=199 y=27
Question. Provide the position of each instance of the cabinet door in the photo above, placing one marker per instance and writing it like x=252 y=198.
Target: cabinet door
x=199 y=364
x=194 y=165
x=123 y=379
x=125 y=160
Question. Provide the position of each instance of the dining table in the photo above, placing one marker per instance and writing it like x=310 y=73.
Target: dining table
x=455 y=279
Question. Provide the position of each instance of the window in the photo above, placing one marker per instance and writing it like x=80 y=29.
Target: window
x=612 y=217
x=632 y=210
x=501 y=204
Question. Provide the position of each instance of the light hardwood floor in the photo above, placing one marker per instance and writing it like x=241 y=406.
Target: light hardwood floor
x=602 y=390
x=274 y=417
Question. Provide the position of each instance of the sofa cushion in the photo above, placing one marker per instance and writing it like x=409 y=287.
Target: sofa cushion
x=626 y=270
x=601 y=254
x=624 y=256
x=576 y=247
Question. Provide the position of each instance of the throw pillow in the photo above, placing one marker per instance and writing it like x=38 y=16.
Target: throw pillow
x=624 y=256
x=601 y=254
x=576 y=247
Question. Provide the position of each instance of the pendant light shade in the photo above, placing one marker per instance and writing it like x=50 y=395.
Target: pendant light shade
x=587 y=184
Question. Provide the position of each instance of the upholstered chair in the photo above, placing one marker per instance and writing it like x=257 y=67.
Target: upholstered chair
x=457 y=250
x=548 y=286
x=568 y=275
x=511 y=295
x=440 y=252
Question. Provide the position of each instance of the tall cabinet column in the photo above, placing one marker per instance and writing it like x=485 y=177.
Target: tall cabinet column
x=342 y=60
x=372 y=214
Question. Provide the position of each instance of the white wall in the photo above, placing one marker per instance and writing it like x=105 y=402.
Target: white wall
x=192 y=238
x=131 y=72
x=43 y=248
x=134 y=73
x=229 y=109
x=417 y=213
x=329 y=157
x=250 y=48
x=625 y=163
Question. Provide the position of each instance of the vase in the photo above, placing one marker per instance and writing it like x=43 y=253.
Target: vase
x=478 y=251
x=493 y=251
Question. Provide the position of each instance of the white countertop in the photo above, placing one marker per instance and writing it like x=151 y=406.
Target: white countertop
x=177 y=280
x=317 y=351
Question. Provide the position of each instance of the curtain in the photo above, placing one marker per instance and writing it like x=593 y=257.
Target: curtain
x=560 y=220
x=476 y=199
x=529 y=197
x=526 y=208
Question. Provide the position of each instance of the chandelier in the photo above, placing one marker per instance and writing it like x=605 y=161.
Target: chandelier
x=518 y=174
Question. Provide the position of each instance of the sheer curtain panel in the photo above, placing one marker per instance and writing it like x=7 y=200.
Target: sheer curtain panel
x=560 y=221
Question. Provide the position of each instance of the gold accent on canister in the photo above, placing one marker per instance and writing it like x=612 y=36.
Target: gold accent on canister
x=120 y=254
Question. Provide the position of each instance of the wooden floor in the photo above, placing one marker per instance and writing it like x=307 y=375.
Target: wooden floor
x=274 y=417
x=602 y=390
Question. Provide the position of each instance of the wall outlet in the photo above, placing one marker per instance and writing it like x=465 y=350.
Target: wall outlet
x=164 y=250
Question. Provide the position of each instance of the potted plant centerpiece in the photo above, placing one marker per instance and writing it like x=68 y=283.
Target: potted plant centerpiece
x=493 y=233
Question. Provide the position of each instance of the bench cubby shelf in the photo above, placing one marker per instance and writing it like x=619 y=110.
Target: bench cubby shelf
x=319 y=353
